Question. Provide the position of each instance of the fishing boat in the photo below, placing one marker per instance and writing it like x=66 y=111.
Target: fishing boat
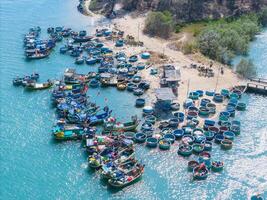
x=94 y=83
x=37 y=55
x=152 y=142
x=140 y=102
x=111 y=125
x=121 y=86
x=191 y=165
x=79 y=60
x=200 y=172
x=226 y=144
x=185 y=150
x=125 y=155
x=140 y=137
x=217 y=166
x=124 y=179
x=164 y=144
x=17 y=81
x=110 y=169
x=68 y=132
x=39 y=86
x=79 y=39
x=95 y=161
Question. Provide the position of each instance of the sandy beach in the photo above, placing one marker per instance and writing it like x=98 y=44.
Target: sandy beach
x=190 y=79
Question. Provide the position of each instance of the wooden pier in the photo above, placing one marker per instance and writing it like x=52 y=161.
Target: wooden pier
x=257 y=86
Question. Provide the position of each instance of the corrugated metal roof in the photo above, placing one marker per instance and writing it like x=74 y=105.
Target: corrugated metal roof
x=164 y=94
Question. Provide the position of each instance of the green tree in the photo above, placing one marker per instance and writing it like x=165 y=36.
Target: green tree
x=246 y=68
x=208 y=43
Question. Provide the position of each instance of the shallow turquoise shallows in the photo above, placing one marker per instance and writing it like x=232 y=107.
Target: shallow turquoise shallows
x=35 y=167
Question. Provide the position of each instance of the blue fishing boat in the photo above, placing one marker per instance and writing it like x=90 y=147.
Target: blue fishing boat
x=133 y=58
x=170 y=137
x=229 y=135
x=63 y=50
x=99 y=118
x=145 y=55
x=152 y=142
x=150 y=119
x=178 y=133
x=94 y=83
x=140 y=137
x=79 y=60
x=91 y=61
x=208 y=146
x=140 y=102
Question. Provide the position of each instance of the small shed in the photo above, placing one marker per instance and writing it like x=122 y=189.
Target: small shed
x=164 y=97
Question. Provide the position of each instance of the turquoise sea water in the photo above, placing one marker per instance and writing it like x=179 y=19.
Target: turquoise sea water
x=35 y=167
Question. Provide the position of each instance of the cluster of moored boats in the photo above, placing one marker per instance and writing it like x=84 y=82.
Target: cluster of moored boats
x=110 y=152
x=36 y=48
x=29 y=82
x=194 y=129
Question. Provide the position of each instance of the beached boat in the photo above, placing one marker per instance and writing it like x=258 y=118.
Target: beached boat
x=39 y=86
x=79 y=60
x=121 y=86
x=82 y=38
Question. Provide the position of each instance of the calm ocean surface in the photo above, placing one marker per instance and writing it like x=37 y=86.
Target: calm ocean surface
x=35 y=167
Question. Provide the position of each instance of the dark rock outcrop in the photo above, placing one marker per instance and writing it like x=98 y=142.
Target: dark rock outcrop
x=188 y=10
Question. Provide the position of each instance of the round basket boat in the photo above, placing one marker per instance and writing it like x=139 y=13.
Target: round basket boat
x=204 y=102
x=175 y=106
x=211 y=107
x=179 y=115
x=214 y=129
x=217 y=166
x=169 y=137
x=198 y=148
x=191 y=165
x=188 y=139
x=235 y=129
x=178 y=133
x=218 y=98
x=200 y=93
x=164 y=144
x=185 y=150
x=152 y=142
x=140 y=137
x=241 y=106
x=225 y=92
x=192 y=114
x=218 y=138
x=174 y=122
x=150 y=119
x=145 y=55
x=140 y=102
x=209 y=93
x=208 y=146
x=194 y=95
x=229 y=135
x=203 y=112
x=226 y=144
x=209 y=135
x=200 y=173
x=223 y=129
x=129 y=135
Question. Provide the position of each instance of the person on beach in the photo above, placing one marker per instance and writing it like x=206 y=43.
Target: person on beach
x=222 y=72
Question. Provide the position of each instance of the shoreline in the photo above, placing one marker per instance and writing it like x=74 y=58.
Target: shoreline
x=189 y=76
